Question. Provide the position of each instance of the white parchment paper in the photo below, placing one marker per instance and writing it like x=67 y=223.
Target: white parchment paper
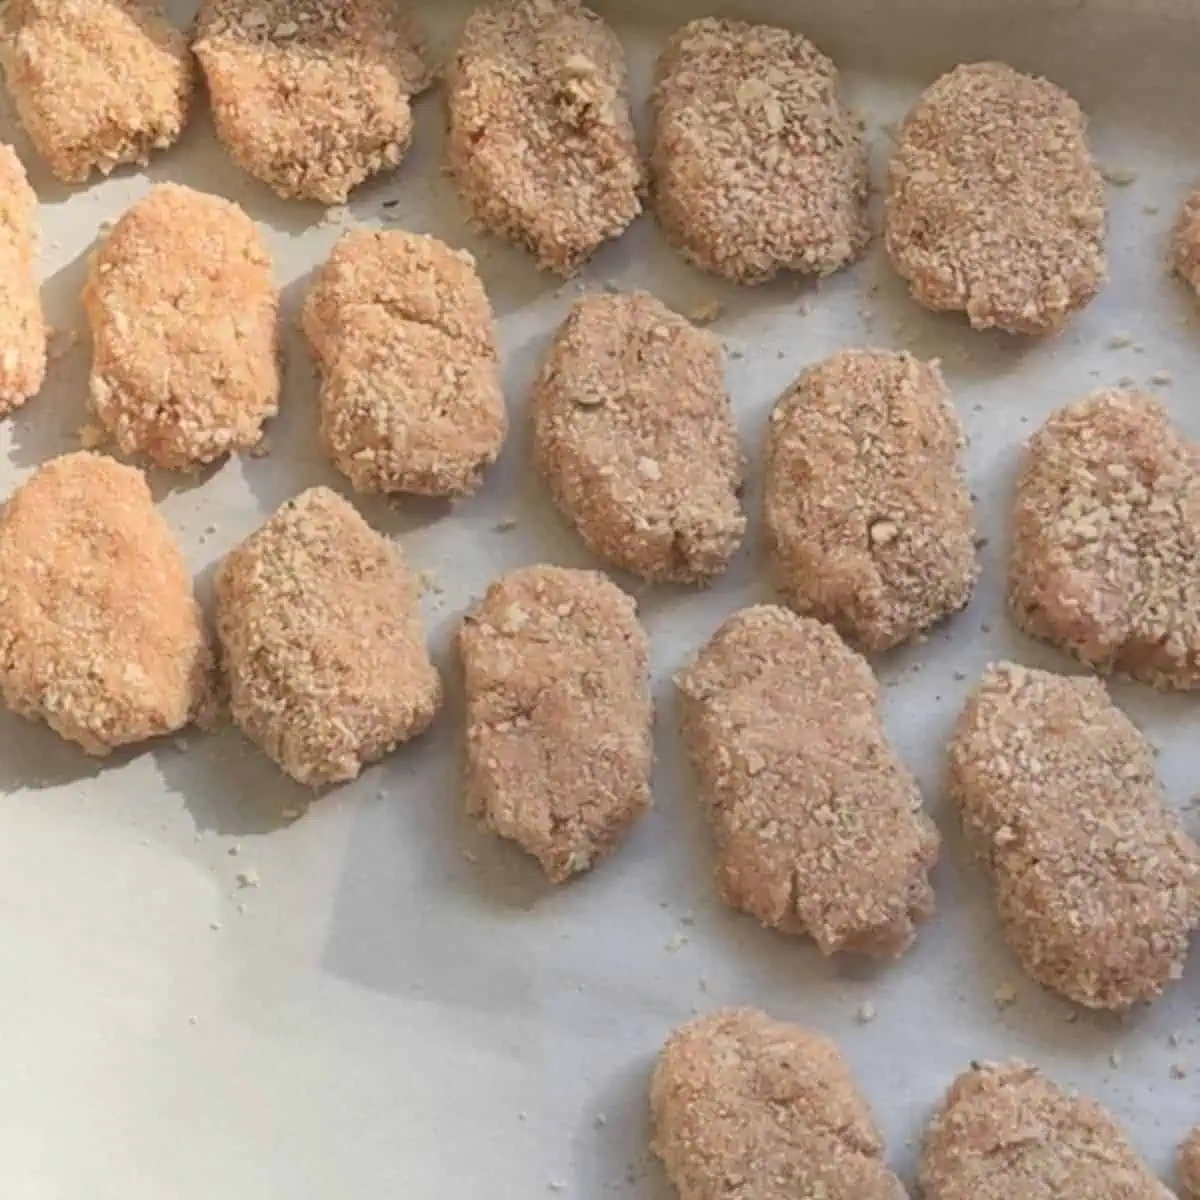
x=402 y=1007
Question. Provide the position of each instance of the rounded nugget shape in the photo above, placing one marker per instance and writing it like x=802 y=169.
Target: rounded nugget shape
x=97 y=83
x=736 y=1095
x=635 y=437
x=411 y=399
x=1185 y=243
x=757 y=166
x=1097 y=884
x=868 y=518
x=995 y=206
x=818 y=823
x=1188 y=1166
x=1105 y=559
x=1006 y=1131
x=183 y=310
x=100 y=634
x=311 y=97
x=559 y=715
x=323 y=643
x=541 y=143
x=22 y=324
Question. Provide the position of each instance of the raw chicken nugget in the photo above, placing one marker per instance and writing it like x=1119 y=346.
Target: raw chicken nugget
x=558 y=715
x=100 y=634
x=97 y=83
x=411 y=399
x=1105 y=559
x=309 y=96
x=22 y=325
x=995 y=206
x=1005 y=1132
x=747 y=1106
x=1097 y=884
x=1185 y=245
x=183 y=310
x=635 y=436
x=323 y=643
x=868 y=518
x=541 y=143
x=1188 y=1166
x=818 y=823
x=757 y=166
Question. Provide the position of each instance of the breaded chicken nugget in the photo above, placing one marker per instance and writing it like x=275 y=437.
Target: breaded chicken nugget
x=818 y=823
x=1188 y=1166
x=183 y=310
x=747 y=1106
x=323 y=644
x=1006 y=1132
x=97 y=83
x=1097 y=884
x=1185 y=242
x=403 y=331
x=558 y=715
x=22 y=325
x=100 y=634
x=309 y=96
x=868 y=518
x=541 y=143
x=1105 y=559
x=757 y=166
x=634 y=434
x=995 y=206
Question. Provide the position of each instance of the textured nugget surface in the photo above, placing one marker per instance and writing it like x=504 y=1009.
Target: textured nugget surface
x=1188 y=1166
x=868 y=518
x=818 y=823
x=635 y=437
x=559 y=715
x=323 y=643
x=757 y=166
x=311 y=97
x=183 y=308
x=1005 y=1132
x=541 y=143
x=747 y=1106
x=411 y=398
x=22 y=324
x=97 y=83
x=1097 y=884
x=1105 y=558
x=100 y=634
x=1185 y=242
x=995 y=206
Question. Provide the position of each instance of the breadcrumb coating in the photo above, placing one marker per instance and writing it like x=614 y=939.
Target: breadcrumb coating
x=183 y=308
x=757 y=166
x=1188 y=1166
x=1185 y=243
x=1105 y=559
x=541 y=143
x=311 y=97
x=97 y=83
x=1005 y=1132
x=100 y=634
x=1097 y=883
x=559 y=747
x=22 y=324
x=747 y=1106
x=634 y=434
x=818 y=823
x=411 y=399
x=869 y=523
x=995 y=206
x=323 y=644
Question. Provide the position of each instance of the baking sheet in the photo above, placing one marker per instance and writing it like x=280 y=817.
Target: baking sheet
x=402 y=1006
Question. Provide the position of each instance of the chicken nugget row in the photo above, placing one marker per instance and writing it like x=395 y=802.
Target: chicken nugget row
x=994 y=204
x=744 y=1104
